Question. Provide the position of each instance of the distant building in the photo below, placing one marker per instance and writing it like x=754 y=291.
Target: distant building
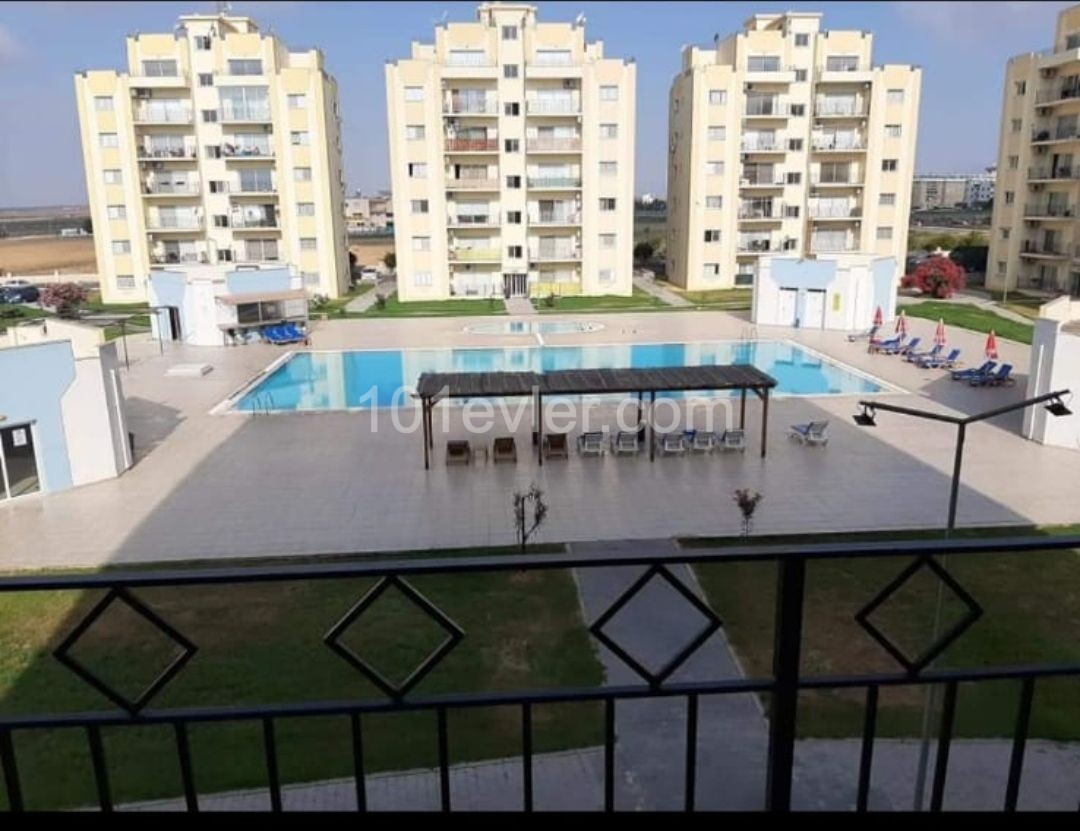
x=369 y=214
x=951 y=190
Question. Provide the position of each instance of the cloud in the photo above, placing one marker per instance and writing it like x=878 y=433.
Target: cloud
x=10 y=49
x=967 y=22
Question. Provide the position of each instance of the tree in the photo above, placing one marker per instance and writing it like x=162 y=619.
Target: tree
x=643 y=251
x=522 y=525
x=64 y=297
x=390 y=260
x=936 y=276
x=88 y=225
x=352 y=260
x=747 y=500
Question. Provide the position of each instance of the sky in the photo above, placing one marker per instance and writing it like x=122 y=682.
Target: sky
x=962 y=48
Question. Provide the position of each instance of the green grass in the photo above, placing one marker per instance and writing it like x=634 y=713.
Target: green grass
x=437 y=308
x=15 y=314
x=639 y=301
x=968 y=316
x=1029 y=618
x=729 y=300
x=523 y=630
x=335 y=308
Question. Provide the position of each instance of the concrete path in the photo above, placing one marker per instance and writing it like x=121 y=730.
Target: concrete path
x=520 y=306
x=650 y=286
x=366 y=300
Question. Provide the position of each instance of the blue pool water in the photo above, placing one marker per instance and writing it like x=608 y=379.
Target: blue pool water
x=361 y=380
x=540 y=327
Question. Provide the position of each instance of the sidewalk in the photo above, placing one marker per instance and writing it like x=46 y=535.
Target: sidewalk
x=650 y=286
x=366 y=300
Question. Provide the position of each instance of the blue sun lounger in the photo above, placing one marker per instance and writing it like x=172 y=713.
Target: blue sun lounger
x=914 y=357
x=937 y=362
x=994 y=379
x=901 y=348
x=967 y=374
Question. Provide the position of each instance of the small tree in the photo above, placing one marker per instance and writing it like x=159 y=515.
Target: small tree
x=522 y=524
x=64 y=297
x=747 y=500
x=937 y=277
x=380 y=301
x=643 y=251
x=390 y=260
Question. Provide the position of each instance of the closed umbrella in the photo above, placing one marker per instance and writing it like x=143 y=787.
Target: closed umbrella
x=879 y=317
x=901 y=324
x=991 y=345
x=939 y=333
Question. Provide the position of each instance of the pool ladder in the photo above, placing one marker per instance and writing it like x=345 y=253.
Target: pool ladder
x=262 y=403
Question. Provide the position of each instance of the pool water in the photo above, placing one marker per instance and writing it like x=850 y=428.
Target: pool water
x=314 y=381
x=535 y=327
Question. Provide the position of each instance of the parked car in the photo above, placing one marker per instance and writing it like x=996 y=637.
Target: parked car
x=19 y=294
x=369 y=273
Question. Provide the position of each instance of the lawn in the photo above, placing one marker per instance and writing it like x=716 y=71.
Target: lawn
x=968 y=316
x=523 y=630
x=335 y=308
x=639 y=301
x=12 y=315
x=729 y=300
x=437 y=308
x=1029 y=604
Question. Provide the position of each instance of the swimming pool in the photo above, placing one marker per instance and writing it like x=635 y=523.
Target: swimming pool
x=311 y=381
x=538 y=327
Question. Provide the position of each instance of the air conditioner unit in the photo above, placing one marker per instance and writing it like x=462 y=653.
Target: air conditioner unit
x=568 y=83
x=143 y=93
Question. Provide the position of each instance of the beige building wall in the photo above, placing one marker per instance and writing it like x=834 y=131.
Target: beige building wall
x=512 y=161
x=217 y=145
x=785 y=138
x=1035 y=239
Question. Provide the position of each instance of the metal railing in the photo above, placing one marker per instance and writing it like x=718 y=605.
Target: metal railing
x=553 y=145
x=836 y=179
x=536 y=106
x=858 y=66
x=766 y=108
x=456 y=107
x=467 y=145
x=788 y=679
x=475 y=254
x=1059 y=172
x=472 y=219
x=757 y=246
x=762 y=181
x=1052 y=95
x=230 y=151
x=774 y=210
x=179 y=223
x=254 y=222
x=554 y=254
x=840 y=108
x=1047 y=209
x=825 y=143
x=472 y=184
x=177 y=258
x=1042 y=248
x=162 y=115
x=165 y=153
x=554 y=182
x=555 y=219
x=244 y=114
x=761 y=145
x=171 y=188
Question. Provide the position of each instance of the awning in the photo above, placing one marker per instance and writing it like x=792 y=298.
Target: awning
x=261 y=297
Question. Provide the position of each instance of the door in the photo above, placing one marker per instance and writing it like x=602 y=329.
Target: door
x=18 y=462
x=785 y=311
x=516 y=285
x=814 y=310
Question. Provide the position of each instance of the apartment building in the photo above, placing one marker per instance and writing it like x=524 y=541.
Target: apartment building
x=218 y=145
x=1035 y=240
x=786 y=138
x=951 y=190
x=369 y=214
x=512 y=159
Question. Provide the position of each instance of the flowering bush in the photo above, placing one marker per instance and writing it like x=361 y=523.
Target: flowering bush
x=747 y=500
x=937 y=277
x=64 y=297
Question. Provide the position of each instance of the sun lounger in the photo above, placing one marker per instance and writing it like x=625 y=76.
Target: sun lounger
x=458 y=452
x=939 y=362
x=625 y=443
x=704 y=441
x=867 y=335
x=671 y=444
x=503 y=449
x=816 y=432
x=885 y=345
x=555 y=446
x=914 y=357
x=591 y=444
x=967 y=374
x=999 y=378
x=733 y=440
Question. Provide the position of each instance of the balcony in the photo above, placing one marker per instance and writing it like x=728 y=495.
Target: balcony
x=840 y=109
x=162 y=115
x=554 y=219
x=179 y=258
x=550 y=68
x=482 y=67
x=844 y=73
x=234 y=115
x=269 y=189
x=1043 y=136
x=171 y=189
x=830 y=144
x=472 y=184
x=833 y=249
x=850 y=180
x=467 y=145
x=472 y=220
x=455 y=107
x=1056 y=95
x=178 y=224
x=825 y=213
x=553 y=145
x=175 y=81
x=246 y=152
x=475 y=255
x=569 y=254
x=554 y=182
x=1044 y=249
x=254 y=223
x=758 y=245
x=760 y=72
x=535 y=106
x=766 y=109
x=773 y=212
x=763 y=181
x=165 y=154
x=1048 y=211
x=1051 y=174
x=763 y=145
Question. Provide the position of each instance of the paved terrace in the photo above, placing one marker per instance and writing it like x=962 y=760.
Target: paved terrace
x=216 y=486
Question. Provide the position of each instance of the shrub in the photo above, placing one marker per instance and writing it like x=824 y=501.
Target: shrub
x=747 y=500
x=64 y=297
x=551 y=300
x=937 y=277
x=380 y=301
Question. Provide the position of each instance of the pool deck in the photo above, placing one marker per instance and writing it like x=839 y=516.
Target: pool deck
x=209 y=486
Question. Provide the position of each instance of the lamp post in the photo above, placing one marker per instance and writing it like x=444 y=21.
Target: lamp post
x=866 y=418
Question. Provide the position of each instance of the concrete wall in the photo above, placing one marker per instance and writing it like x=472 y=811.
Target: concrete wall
x=95 y=424
x=1055 y=365
x=85 y=340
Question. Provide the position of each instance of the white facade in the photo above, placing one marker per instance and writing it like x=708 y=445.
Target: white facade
x=841 y=292
x=1055 y=365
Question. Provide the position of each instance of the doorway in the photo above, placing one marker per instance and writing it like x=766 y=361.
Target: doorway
x=516 y=285
x=814 y=310
x=785 y=312
x=18 y=462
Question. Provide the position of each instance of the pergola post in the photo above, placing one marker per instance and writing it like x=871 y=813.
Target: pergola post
x=742 y=409
x=539 y=427
x=649 y=429
x=426 y=432
x=764 y=418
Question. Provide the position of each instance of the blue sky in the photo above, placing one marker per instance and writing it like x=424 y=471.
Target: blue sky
x=962 y=48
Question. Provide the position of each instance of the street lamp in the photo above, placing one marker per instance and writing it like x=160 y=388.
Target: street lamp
x=867 y=418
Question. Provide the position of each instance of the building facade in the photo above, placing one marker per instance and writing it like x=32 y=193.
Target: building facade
x=1035 y=242
x=512 y=161
x=217 y=146
x=369 y=214
x=785 y=138
x=951 y=190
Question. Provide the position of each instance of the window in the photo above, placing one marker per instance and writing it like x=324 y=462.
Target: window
x=606 y=275
x=888 y=165
x=717 y=96
x=554 y=57
x=212 y=151
x=109 y=140
x=894 y=96
x=414 y=93
x=607 y=240
x=301 y=174
x=308 y=243
x=795 y=144
x=422 y=279
x=209 y=116
x=609 y=93
x=510 y=70
x=301 y=138
x=794 y=178
x=609 y=168
x=103 y=103
x=202 y=43
x=221 y=221
x=762 y=63
x=421 y=243
x=717 y=133
x=714 y=168
x=467 y=57
x=841 y=63
x=419 y=206
x=791 y=211
x=217 y=186
x=1020 y=87
x=1072 y=42
x=515 y=252
x=710 y=270
x=800 y=75
x=245 y=66
x=714 y=201
x=414 y=132
x=310 y=278
x=798 y=109
x=1004 y=233
x=802 y=40
x=884 y=232
x=511 y=145
x=887 y=199
x=892 y=131
x=609 y=131
x=1001 y=267
x=513 y=217
x=305 y=209
x=1014 y=162
x=125 y=281
x=159 y=69
x=117 y=212
x=712 y=235
x=298 y=102
x=224 y=255
x=206 y=79
x=121 y=247
x=513 y=182
x=113 y=177
x=1009 y=197
x=607 y=204
x=512 y=108
x=509 y=33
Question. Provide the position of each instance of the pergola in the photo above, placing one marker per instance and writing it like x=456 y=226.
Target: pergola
x=433 y=387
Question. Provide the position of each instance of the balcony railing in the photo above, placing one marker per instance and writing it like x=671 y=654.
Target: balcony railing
x=227 y=114
x=768 y=108
x=178 y=223
x=472 y=219
x=772 y=211
x=826 y=248
x=762 y=180
x=555 y=182
x=835 y=211
x=535 y=106
x=455 y=107
x=468 y=255
x=553 y=145
x=468 y=145
x=762 y=145
x=757 y=246
x=247 y=151
x=858 y=66
x=162 y=115
x=850 y=178
x=1054 y=94
x=165 y=153
x=179 y=258
x=1049 y=210
x=253 y=189
x=472 y=184
x=554 y=254
x=171 y=188
x=1042 y=249
x=555 y=219
x=826 y=143
x=1053 y=173
x=840 y=108
x=247 y=222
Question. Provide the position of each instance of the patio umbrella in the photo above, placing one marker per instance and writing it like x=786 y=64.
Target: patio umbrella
x=879 y=318
x=901 y=324
x=991 y=345
x=939 y=333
